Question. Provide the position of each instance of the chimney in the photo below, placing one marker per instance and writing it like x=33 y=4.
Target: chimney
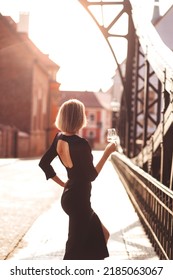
x=156 y=12
x=23 y=24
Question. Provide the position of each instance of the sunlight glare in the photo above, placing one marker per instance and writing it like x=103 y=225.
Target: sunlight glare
x=64 y=30
x=73 y=40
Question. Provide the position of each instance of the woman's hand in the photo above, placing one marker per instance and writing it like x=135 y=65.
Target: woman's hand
x=110 y=148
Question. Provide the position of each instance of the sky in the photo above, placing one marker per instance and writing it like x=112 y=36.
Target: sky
x=65 y=31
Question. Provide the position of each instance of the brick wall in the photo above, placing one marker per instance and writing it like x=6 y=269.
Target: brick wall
x=24 y=93
x=15 y=87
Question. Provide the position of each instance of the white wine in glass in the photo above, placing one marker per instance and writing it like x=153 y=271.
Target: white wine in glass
x=112 y=136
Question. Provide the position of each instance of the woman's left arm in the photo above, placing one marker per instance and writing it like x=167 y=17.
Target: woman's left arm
x=58 y=181
x=45 y=163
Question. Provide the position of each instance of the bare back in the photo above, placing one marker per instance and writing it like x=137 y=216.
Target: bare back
x=64 y=153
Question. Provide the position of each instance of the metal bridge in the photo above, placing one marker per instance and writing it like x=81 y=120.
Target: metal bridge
x=145 y=122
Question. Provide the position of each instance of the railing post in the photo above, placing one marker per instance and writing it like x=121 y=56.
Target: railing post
x=146 y=100
x=171 y=173
x=162 y=130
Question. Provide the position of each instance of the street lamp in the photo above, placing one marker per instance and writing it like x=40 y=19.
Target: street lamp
x=115 y=106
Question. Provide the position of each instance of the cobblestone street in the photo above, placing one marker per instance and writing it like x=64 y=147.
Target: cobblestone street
x=24 y=196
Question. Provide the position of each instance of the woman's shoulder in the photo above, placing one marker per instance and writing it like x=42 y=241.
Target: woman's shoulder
x=83 y=143
x=56 y=138
x=73 y=139
x=81 y=140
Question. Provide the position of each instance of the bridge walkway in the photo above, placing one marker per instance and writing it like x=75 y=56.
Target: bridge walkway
x=128 y=241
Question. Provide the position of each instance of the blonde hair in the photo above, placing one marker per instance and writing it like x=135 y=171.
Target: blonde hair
x=71 y=116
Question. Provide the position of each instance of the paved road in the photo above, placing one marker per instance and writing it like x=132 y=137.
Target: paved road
x=24 y=195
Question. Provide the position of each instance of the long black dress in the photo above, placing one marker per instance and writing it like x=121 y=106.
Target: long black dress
x=85 y=238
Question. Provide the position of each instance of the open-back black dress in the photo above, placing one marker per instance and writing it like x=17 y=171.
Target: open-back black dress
x=85 y=238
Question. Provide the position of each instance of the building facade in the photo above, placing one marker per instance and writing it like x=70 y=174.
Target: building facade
x=27 y=81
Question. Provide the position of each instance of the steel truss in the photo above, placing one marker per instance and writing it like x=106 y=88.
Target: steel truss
x=144 y=128
x=146 y=124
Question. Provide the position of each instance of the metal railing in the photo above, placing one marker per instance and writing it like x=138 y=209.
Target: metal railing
x=153 y=202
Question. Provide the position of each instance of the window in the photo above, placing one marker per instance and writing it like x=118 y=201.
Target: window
x=91 y=117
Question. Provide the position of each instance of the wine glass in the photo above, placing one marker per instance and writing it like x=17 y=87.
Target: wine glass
x=112 y=136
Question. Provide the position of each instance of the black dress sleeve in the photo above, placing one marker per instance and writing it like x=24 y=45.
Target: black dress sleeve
x=47 y=158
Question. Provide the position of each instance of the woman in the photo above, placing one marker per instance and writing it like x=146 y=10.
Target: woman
x=87 y=237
